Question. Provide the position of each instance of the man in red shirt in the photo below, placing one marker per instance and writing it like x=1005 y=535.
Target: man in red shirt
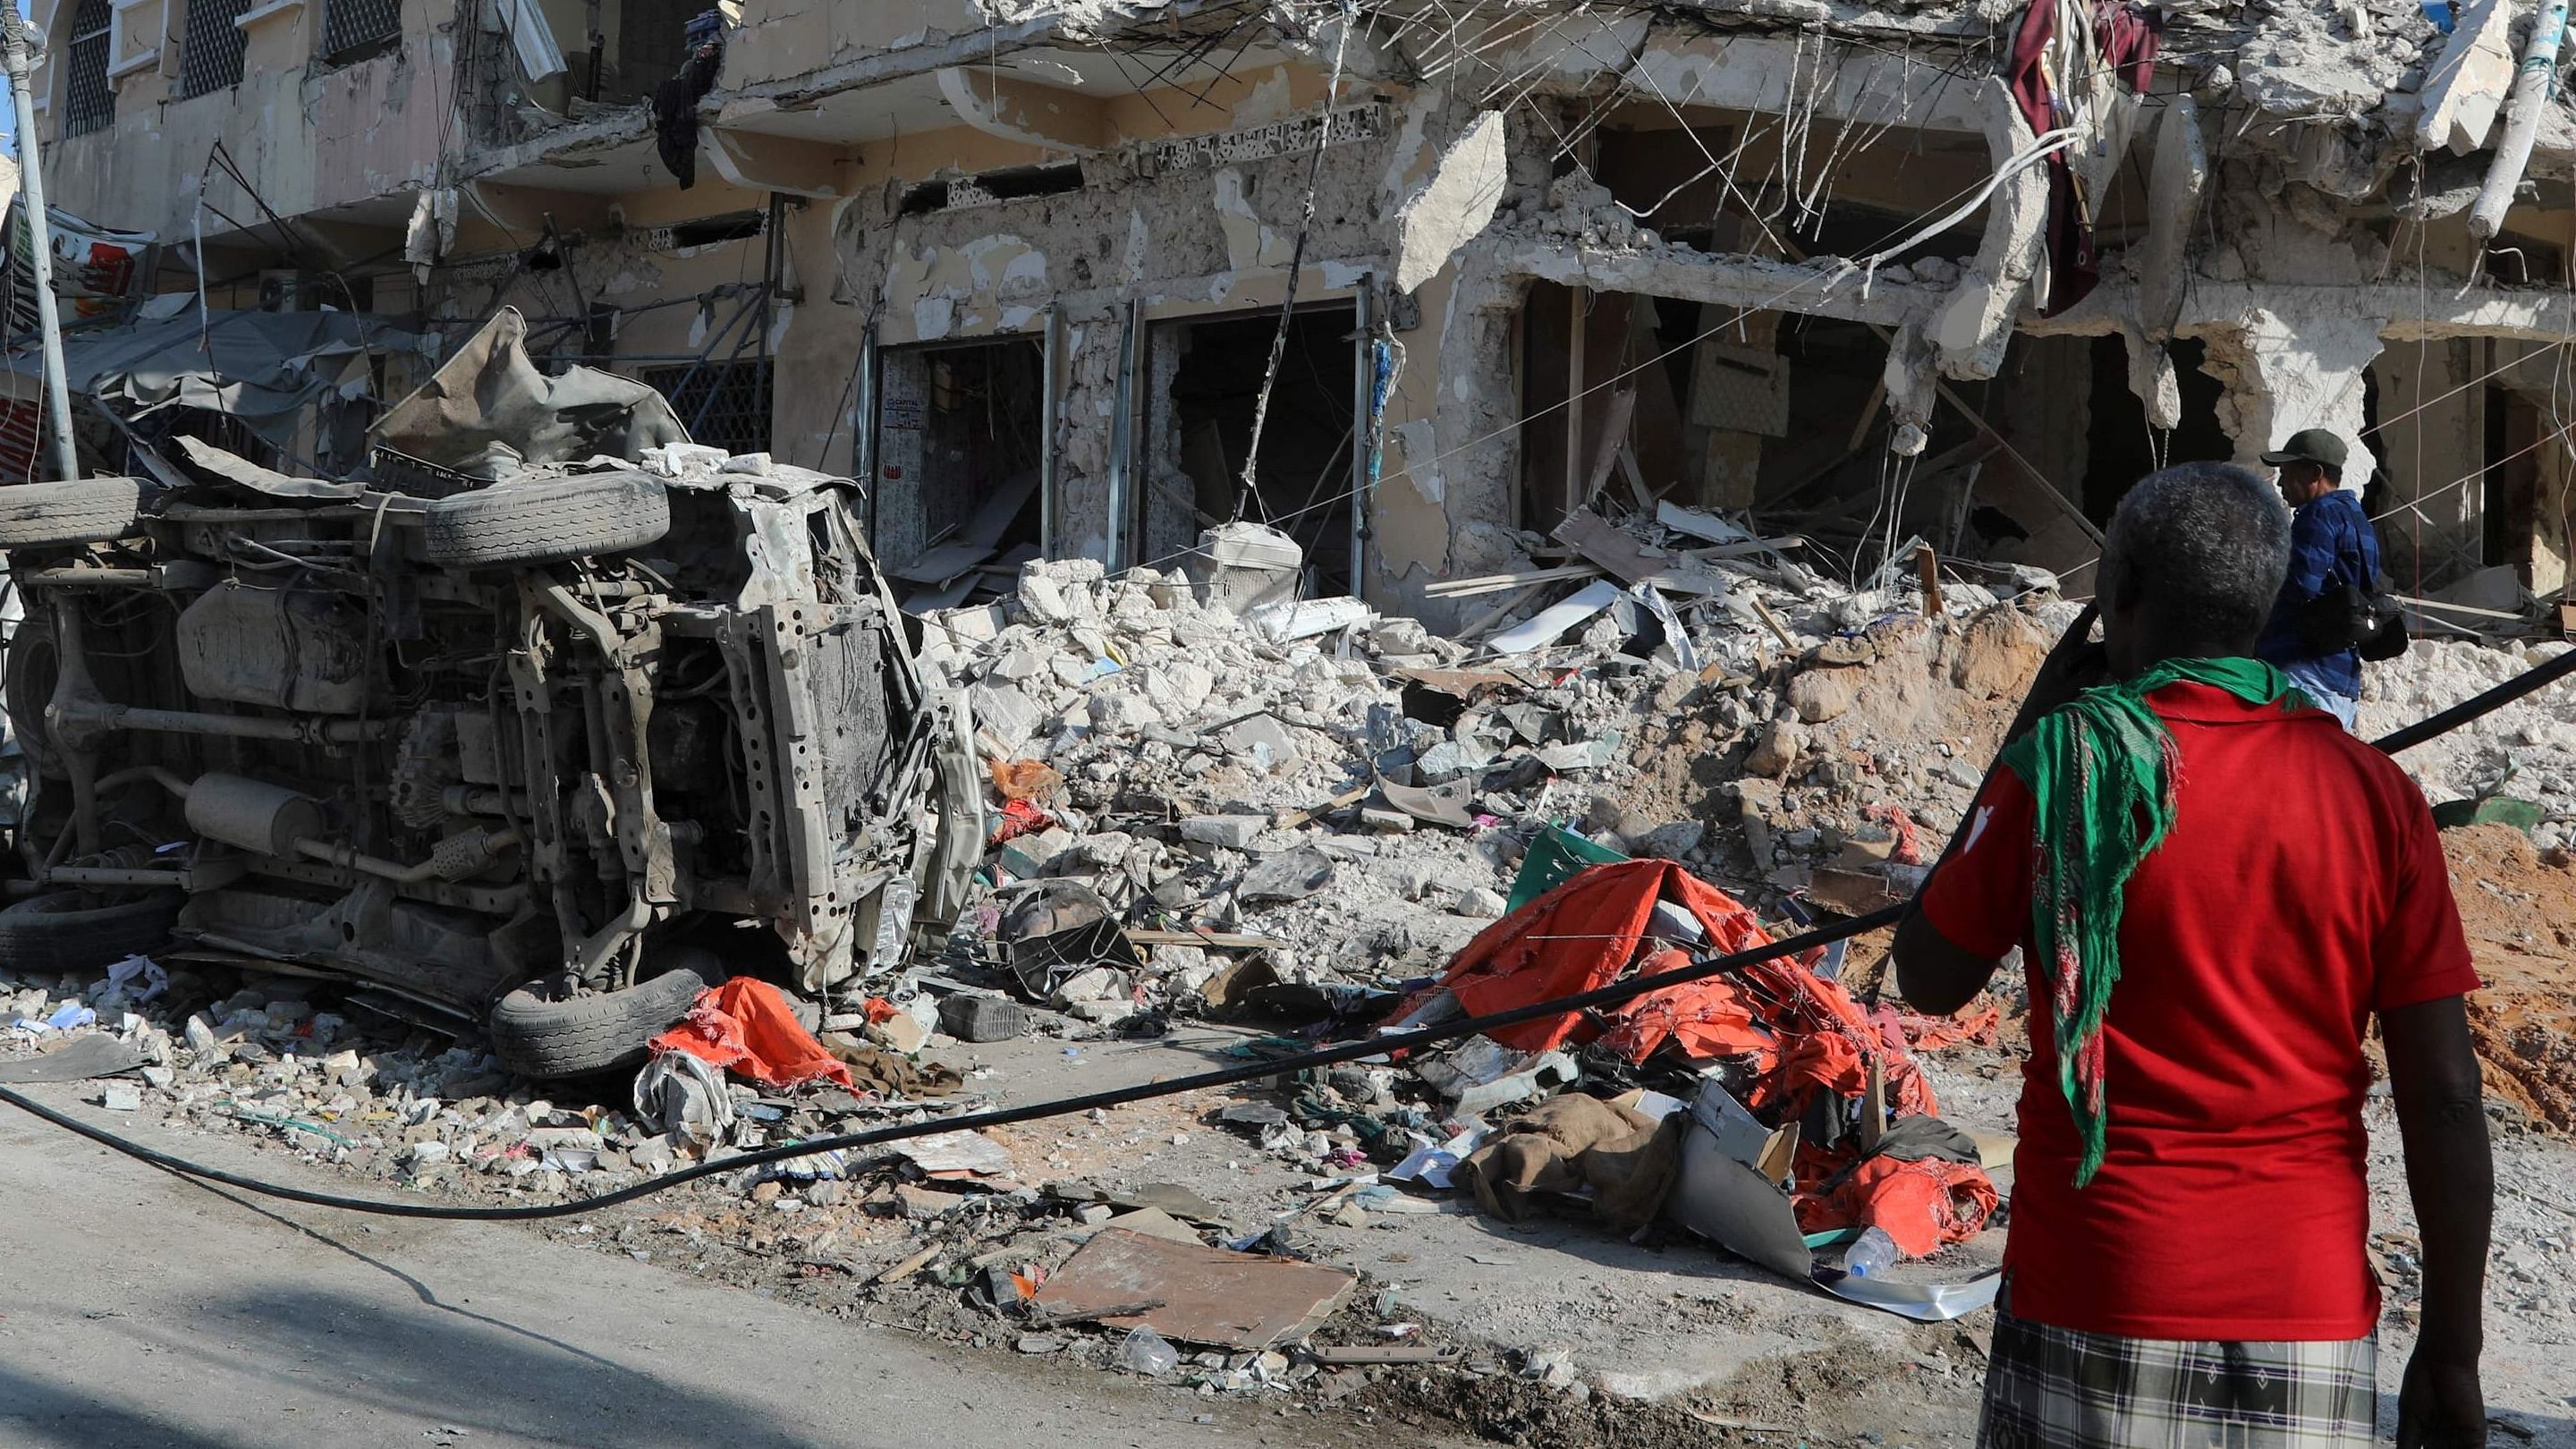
x=2214 y=889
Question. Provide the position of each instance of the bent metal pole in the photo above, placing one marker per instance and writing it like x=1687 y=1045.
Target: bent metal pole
x=40 y=240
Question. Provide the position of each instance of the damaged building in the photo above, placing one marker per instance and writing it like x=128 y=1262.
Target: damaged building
x=1413 y=283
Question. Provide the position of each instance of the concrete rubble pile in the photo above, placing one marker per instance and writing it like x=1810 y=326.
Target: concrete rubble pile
x=2525 y=751
x=1221 y=803
x=1309 y=775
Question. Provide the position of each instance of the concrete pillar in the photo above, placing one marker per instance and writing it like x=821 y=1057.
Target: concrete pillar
x=2283 y=374
x=1448 y=497
x=1975 y=327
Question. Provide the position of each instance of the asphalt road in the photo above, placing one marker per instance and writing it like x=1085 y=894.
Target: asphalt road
x=138 y=1309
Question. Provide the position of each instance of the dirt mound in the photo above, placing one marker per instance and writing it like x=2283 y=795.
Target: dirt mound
x=1903 y=713
x=2519 y=908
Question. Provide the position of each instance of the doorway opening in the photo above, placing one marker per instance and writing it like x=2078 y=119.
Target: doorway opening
x=961 y=437
x=1205 y=379
x=2121 y=449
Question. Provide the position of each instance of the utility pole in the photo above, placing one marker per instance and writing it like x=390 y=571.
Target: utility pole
x=31 y=183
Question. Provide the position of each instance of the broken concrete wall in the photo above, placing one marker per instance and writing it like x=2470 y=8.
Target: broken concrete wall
x=2292 y=291
x=1184 y=240
x=308 y=137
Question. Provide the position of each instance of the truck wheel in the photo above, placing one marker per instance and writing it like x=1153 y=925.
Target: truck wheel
x=548 y=522
x=29 y=674
x=550 y=1028
x=66 y=931
x=82 y=510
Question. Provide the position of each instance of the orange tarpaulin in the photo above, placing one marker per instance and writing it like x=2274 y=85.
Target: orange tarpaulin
x=747 y=1027
x=1800 y=1036
x=1584 y=934
x=1921 y=1205
x=1802 y=1031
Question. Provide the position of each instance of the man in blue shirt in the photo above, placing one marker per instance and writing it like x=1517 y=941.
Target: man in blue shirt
x=2331 y=543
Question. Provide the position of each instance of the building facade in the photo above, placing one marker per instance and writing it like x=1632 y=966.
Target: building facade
x=1955 y=272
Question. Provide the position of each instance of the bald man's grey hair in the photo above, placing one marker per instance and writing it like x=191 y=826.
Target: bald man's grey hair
x=2202 y=549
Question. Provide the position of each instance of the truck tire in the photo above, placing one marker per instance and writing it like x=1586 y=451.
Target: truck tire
x=548 y=522
x=66 y=931
x=83 y=510
x=547 y=1029
x=26 y=686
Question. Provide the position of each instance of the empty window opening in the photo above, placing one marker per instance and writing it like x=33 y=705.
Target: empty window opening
x=88 y=104
x=722 y=404
x=210 y=54
x=1205 y=379
x=353 y=30
x=2509 y=493
x=1874 y=196
x=2121 y=448
x=960 y=443
x=1721 y=410
x=732 y=226
x=1007 y=184
x=635 y=46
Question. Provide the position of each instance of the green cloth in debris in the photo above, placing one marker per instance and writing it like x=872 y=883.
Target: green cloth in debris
x=2100 y=770
x=1556 y=855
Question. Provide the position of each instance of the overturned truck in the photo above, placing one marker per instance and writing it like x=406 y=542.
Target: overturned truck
x=520 y=730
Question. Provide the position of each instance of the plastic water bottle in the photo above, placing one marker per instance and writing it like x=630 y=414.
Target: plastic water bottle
x=1143 y=1351
x=1870 y=1254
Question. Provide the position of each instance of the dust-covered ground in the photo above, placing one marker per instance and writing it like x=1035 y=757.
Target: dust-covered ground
x=1845 y=752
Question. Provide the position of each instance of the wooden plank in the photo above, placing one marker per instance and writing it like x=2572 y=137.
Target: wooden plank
x=1636 y=478
x=1222 y=940
x=1123 y=1310
x=1484 y=623
x=1621 y=555
x=909 y=1266
x=1614 y=438
x=1618 y=552
x=1496 y=583
x=1210 y=1296
x=1294 y=818
x=2464 y=608
x=1773 y=620
x=1465 y=682
x=1699 y=523
x=1929 y=566
x=1377 y=1353
x=1746 y=548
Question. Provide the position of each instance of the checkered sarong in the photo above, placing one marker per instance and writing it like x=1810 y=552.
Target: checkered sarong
x=2055 y=1388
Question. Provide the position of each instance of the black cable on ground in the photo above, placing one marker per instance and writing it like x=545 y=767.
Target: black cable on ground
x=1610 y=995
x=2530 y=680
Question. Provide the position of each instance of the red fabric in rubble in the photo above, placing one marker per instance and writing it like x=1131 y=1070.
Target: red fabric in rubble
x=1801 y=1035
x=1921 y=1205
x=747 y=1027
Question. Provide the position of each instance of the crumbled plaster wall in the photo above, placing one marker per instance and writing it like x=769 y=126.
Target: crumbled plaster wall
x=308 y=138
x=1448 y=497
x=2290 y=365
x=1197 y=240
